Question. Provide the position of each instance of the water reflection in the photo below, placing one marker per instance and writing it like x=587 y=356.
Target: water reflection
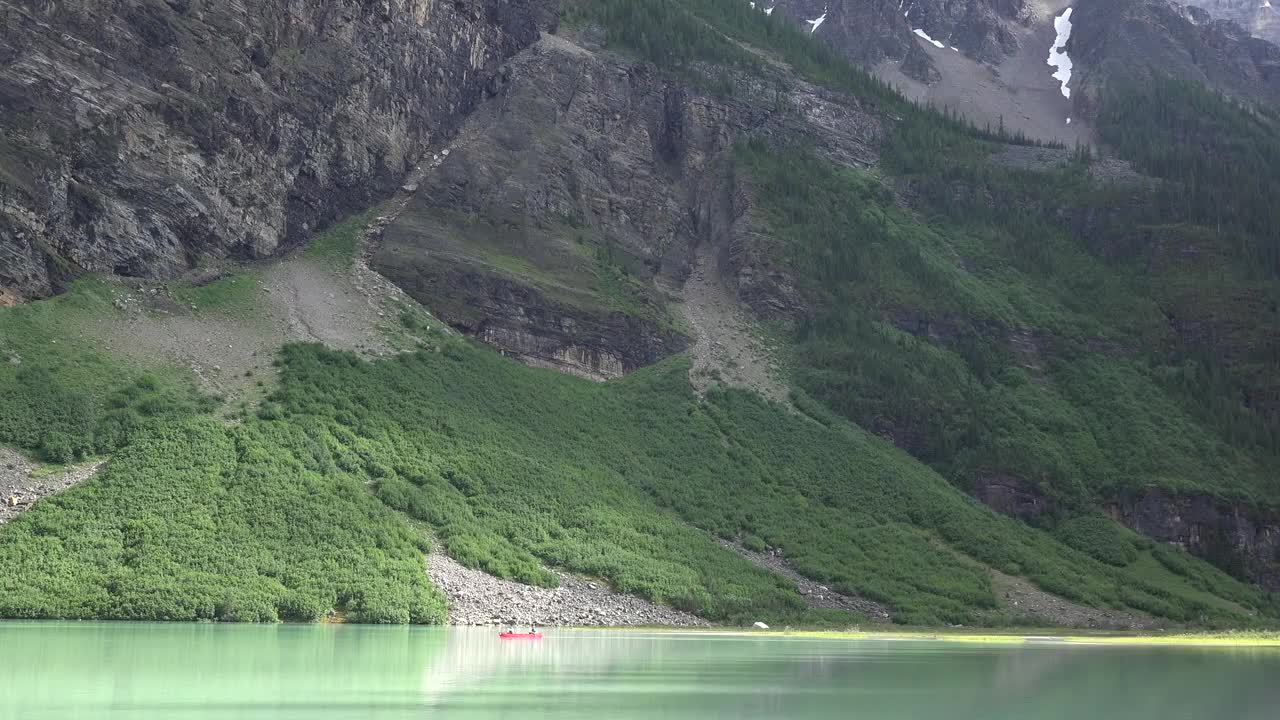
x=207 y=671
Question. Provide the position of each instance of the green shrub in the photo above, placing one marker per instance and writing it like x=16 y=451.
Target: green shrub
x=1099 y=537
x=196 y=521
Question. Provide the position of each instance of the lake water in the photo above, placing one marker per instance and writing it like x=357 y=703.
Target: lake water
x=195 y=672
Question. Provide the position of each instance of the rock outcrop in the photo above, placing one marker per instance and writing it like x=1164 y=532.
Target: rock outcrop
x=1233 y=536
x=1009 y=494
x=140 y=137
x=21 y=490
x=1134 y=38
x=1257 y=17
x=571 y=205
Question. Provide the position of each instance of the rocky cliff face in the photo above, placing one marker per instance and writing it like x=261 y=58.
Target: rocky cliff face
x=1139 y=37
x=1239 y=538
x=563 y=221
x=1244 y=541
x=869 y=31
x=1257 y=17
x=141 y=136
x=1009 y=495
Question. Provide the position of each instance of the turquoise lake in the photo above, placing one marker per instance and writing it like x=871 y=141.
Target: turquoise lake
x=124 y=670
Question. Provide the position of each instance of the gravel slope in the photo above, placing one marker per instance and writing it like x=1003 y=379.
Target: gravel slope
x=478 y=598
x=19 y=491
x=725 y=346
x=1020 y=597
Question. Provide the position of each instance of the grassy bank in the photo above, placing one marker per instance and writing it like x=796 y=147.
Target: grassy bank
x=1021 y=636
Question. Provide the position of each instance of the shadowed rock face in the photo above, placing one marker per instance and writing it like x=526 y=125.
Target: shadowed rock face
x=139 y=137
x=1134 y=38
x=1259 y=18
x=1244 y=541
x=1009 y=495
x=559 y=224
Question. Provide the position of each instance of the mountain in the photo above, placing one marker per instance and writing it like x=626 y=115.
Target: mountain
x=1256 y=17
x=1155 y=37
x=964 y=364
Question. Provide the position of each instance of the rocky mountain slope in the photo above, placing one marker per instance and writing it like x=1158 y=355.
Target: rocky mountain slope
x=1142 y=37
x=573 y=200
x=141 y=138
x=869 y=31
x=1257 y=17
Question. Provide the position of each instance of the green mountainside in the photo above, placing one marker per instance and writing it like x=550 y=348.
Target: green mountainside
x=319 y=499
x=977 y=307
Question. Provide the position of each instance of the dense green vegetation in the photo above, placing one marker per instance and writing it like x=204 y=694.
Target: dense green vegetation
x=197 y=521
x=517 y=467
x=966 y=334
x=1222 y=158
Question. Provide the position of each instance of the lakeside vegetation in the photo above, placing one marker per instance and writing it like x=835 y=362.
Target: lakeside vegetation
x=516 y=469
x=199 y=521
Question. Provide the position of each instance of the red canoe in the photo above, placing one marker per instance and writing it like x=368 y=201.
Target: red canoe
x=520 y=636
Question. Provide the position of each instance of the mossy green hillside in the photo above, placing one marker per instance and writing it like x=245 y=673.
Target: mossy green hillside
x=516 y=469
x=968 y=330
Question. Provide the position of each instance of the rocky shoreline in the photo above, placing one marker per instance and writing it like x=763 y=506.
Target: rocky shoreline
x=478 y=598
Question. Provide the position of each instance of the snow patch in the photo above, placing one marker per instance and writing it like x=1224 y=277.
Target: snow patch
x=925 y=35
x=817 y=23
x=1058 y=57
x=769 y=11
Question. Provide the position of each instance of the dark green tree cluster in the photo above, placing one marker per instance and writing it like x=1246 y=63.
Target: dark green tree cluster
x=1221 y=157
x=964 y=330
